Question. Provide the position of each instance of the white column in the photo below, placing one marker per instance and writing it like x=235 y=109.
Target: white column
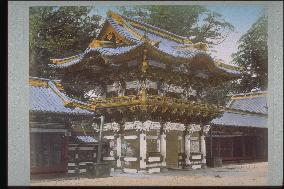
x=118 y=150
x=187 y=149
x=163 y=149
x=143 y=150
x=203 y=148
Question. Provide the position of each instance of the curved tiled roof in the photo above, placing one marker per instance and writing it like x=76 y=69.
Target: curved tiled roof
x=242 y=120
x=249 y=109
x=250 y=102
x=255 y=105
x=138 y=33
x=47 y=98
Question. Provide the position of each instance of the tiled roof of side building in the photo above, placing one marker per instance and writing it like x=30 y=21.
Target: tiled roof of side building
x=250 y=102
x=44 y=97
x=242 y=120
x=248 y=109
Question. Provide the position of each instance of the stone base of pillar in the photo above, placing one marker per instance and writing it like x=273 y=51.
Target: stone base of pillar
x=164 y=169
x=204 y=166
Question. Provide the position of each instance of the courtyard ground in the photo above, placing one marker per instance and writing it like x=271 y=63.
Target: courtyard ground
x=249 y=174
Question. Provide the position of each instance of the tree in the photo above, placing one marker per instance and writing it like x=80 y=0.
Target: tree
x=252 y=56
x=57 y=32
x=195 y=22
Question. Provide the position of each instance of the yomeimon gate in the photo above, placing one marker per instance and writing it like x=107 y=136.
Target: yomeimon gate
x=150 y=86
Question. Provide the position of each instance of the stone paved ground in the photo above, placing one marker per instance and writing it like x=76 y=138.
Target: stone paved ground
x=253 y=174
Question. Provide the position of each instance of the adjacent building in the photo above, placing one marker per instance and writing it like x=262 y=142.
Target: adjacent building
x=57 y=143
x=240 y=134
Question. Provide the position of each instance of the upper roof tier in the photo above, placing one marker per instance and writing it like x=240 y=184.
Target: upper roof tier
x=122 y=39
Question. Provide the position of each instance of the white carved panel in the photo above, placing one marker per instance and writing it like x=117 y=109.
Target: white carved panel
x=194 y=146
x=193 y=128
x=172 y=88
x=152 y=159
x=150 y=125
x=133 y=85
x=174 y=126
x=196 y=157
x=137 y=85
x=107 y=127
x=130 y=137
x=133 y=125
x=151 y=84
x=139 y=126
x=116 y=86
x=109 y=137
x=130 y=159
x=97 y=92
x=196 y=166
x=108 y=158
x=189 y=92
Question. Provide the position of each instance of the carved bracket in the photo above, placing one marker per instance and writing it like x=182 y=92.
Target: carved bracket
x=193 y=128
x=206 y=129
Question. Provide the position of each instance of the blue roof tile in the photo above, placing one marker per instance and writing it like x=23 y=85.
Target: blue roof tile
x=242 y=120
x=250 y=111
x=166 y=45
x=257 y=104
x=44 y=99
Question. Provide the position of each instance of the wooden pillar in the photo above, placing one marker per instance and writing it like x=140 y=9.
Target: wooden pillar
x=187 y=148
x=163 y=148
x=243 y=147
x=232 y=147
x=77 y=169
x=203 y=148
x=118 y=150
x=254 y=146
x=143 y=150
x=100 y=140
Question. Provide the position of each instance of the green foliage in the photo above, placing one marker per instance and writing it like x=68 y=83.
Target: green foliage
x=58 y=32
x=195 y=22
x=252 y=56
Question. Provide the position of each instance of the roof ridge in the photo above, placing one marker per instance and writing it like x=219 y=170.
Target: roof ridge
x=156 y=30
x=249 y=95
x=43 y=79
x=240 y=111
x=155 y=27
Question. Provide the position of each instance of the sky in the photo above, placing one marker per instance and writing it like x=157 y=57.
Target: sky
x=241 y=17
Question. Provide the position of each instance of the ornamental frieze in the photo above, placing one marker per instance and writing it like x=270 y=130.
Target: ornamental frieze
x=137 y=85
x=189 y=92
x=116 y=86
x=193 y=128
x=150 y=125
x=112 y=126
x=136 y=125
x=139 y=126
x=107 y=127
x=97 y=92
x=168 y=126
x=172 y=88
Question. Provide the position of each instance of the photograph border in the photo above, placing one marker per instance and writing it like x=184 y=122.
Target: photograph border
x=18 y=76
